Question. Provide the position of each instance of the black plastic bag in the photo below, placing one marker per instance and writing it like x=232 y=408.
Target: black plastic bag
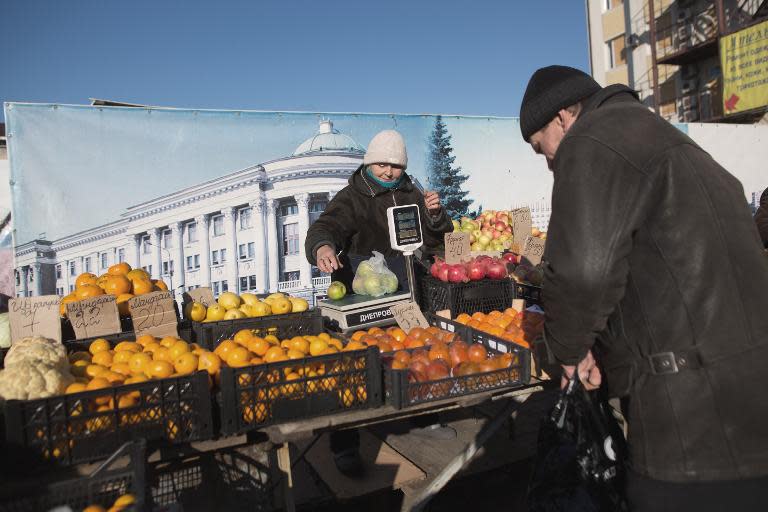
x=579 y=458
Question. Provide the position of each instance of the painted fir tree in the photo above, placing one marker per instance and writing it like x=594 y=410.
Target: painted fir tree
x=445 y=179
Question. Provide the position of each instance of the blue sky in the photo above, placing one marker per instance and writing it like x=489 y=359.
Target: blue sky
x=335 y=56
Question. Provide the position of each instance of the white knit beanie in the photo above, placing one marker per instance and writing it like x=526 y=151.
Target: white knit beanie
x=387 y=147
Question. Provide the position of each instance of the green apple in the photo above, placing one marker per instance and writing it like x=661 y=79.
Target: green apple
x=337 y=290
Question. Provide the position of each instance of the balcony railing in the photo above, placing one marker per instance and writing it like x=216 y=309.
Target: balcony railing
x=700 y=106
x=286 y=286
x=321 y=282
x=687 y=36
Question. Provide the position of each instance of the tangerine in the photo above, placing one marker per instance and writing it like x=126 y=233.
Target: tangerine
x=63 y=304
x=145 y=339
x=138 y=363
x=87 y=291
x=119 y=269
x=122 y=368
x=274 y=354
x=178 y=348
x=128 y=346
x=186 y=363
x=103 y=358
x=224 y=348
x=98 y=345
x=242 y=337
x=117 y=285
x=142 y=286
x=299 y=344
x=85 y=278
x=258 y=346
x=160 y=369
x=75 y=387
x=168 y=341
x=122 y=303
x=317 y=347
x=238 y=357
x=160 y=285
x=209 y=362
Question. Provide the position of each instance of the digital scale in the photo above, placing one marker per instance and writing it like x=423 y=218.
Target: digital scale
x=354 y=311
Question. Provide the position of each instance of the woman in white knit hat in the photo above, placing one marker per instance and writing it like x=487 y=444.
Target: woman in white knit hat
x=352 y=226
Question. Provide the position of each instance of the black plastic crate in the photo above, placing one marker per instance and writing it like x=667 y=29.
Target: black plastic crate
x=528 y=292
x=484 y=295
x=401 y=392
x=257 y=396
x=69 y=429
x=210 y=334
x=102 y=487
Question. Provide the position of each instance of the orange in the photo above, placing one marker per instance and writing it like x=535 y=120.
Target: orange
x=272 y=339
x=145 y=338
x=333 y=342
x=186 y=363
x=160 y=285
x=242 y=337
x=98 y=345
x=85 y=278
x=124 y=500
x=295 y=354
x=101 y=282
x=160 y=369
x=63 y=303
x=112 y=377
x=103 y=358
x=354 y=345
x=299 y=344
x=152 y=347
x=479 y=316
x=121 y=368
x=128 y=346
x=178 y=348
x=98 y=383
x=169 y=341
x=463 y=318
x=121 y=356
x=137 y=273
x=119 y=269
x=258 y=346
x=126 y=401
x=117 y=285
x=161 y=354
x=274 y=354
x=397 y=333
x=224 y=348
x=94 y=508
x=209 y=362
x=75 y=387
x=318 y=347
x=238 y=357
x=87 y=291
x=142 y=286
x=138 y=363
x=135 y=379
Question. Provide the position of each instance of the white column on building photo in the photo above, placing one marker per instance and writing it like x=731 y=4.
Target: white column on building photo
x=305 y=268
x=230 y=232
x=136 y=263
x=205 y=250
x=177 y=232
x=38 y=279
x=260 y=255
x=273 y=247
x=155 y=240
x=25 y=281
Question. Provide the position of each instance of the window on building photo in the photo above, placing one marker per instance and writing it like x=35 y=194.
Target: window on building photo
x=197 y=261
x=291 y=276
x=167 y=267
x=289 y=209
x=87 y=264
x=104 y=262
x=245 y=218
x=252 y=282
x=243 y=284
x=31 y=274
x=145 y=244
x=218 y=225
x=224 y=286
x=18 y=279
x=120 y=255
x=291 y=238
x=215 y=257
x=617 y=53
x=215 y=287
x=192 y=232
x=193 y=262
x=71 y=288
x=72 y=270
x=245 y=251
x=167 y=239
x=318 y=206
x=58 y=271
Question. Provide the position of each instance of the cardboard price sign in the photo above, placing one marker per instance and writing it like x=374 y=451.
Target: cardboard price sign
x=534 y=249
x=96 y=316
x=408 y=315
x=457 y=247
x=154 y=313
x=35 y=316
x=202 y=295
x=521 y=225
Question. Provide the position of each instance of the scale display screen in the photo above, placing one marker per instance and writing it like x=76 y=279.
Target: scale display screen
x=404 y=227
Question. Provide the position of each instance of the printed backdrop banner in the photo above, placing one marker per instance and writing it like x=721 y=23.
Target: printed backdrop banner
x=224 y=198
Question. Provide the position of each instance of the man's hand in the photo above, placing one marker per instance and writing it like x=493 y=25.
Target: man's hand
x=432 y=201
x=327 y=260
x=589 y=373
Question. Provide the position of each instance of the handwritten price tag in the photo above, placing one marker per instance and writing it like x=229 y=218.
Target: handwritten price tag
x=154 y=313
x=408 y=315
x=96 y=316
x=521 y=225
x=35 y=316
x=457 y=247
x=202 y=295
x=534 y=250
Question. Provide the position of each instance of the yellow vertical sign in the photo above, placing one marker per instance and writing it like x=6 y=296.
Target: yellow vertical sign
x=744 y=61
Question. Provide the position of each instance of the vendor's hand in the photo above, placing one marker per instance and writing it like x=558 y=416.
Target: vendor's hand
x=432 y=201
x=327 y=261
x=589 y=373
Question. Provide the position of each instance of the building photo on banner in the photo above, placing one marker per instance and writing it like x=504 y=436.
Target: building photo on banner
x=224 y=199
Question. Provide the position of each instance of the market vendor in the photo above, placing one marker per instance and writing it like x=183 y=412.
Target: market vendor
x=355 y=222
x=352 y=226
x=652 y=248
x=761 y=218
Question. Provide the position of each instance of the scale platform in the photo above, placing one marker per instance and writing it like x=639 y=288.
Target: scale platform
x=361 y=311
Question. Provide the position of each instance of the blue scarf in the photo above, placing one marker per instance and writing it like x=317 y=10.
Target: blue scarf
x=385 y=184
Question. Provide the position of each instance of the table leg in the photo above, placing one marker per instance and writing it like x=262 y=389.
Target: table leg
x=420 y=500
x=284 y=463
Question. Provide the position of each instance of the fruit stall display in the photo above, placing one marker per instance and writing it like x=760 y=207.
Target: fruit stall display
x=480 y=284
x=510 y=325
x=491 y=230
x=231 y=313
x=439 y=364
x=111 y=487
x=291 y=371
x=77 y=402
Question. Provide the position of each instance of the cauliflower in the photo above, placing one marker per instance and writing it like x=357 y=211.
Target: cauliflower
x=27 y=380
x=5 y=330
x=37 y=350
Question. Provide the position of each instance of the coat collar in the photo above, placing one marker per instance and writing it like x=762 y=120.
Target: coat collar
x=370 y=188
